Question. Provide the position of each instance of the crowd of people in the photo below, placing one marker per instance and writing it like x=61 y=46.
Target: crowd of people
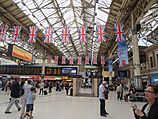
x=148 y=111
x=24 y=91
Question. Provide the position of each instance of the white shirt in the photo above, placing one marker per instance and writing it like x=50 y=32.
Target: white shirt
x=26 y=88
x=101 y=92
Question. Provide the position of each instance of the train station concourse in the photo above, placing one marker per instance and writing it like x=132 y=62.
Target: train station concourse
x=79 y=59
x=58 y=105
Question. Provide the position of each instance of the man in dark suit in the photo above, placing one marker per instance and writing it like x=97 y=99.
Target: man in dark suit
x=15 y=93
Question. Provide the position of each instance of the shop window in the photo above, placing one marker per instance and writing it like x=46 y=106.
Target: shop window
x=151 y=62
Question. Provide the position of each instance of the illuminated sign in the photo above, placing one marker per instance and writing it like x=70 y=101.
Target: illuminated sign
x=20 y=53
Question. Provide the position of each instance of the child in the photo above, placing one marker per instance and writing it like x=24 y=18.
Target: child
x=30 y=103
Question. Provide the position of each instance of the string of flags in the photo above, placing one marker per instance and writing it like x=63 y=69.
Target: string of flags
x=66 y=35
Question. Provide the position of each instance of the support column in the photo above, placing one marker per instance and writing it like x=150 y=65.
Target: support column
x=95 y=87
x=110 y=80
x=43 y=64
x=74 y=86
x=136 y=58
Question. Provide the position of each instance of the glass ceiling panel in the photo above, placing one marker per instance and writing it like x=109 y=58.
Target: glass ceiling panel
x=54 y=17
x=77 y=3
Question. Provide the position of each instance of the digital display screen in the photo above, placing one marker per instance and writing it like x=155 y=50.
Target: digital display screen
x=122 y=73
x=69 y=71
x=154 y=78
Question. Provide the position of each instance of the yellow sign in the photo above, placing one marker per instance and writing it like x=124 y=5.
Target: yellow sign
x=21 y=54
x=107 y=74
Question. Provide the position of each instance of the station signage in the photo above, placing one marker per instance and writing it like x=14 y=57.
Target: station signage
x=19 y=53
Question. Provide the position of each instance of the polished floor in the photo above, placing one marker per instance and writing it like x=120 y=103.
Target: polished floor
x=59 y=106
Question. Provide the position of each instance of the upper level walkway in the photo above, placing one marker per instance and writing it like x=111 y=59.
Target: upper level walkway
x=59 y=106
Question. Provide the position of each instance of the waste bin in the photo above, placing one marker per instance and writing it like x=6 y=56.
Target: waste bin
x=71 y=91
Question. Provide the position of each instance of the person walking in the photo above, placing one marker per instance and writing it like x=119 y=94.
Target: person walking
x=67 y=88
x=103 y=95
x=150 y=109
x=26 y=87
x=30 y=103
x=15 y=94
x=41 y=87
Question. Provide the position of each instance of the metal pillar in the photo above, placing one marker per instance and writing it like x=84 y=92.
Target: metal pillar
x=136 y=58
x=43 y=64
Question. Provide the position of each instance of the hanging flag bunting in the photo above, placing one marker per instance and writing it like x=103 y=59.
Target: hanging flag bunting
x=110 y=65
x=102 y=60
x=32 y=34
x=3 y=30
x=66 y=35
x=49 y=59
x=56 y=60
x=71 y=60
x=82 y=34
x=95 y=59
x=100 y=33
x=119 y=31
x=87 y=60
x=17 y=30
x=63 y=60
x=79 y=60
x=122 y=53
x=48 y=35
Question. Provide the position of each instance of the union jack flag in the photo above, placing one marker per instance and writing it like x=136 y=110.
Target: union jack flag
x=56 y=60
x=32 y=34
x=119 y=31
x=3 y=30
x=48 y=35
x=82 y=34
x=95 y=59
x=49 y=59
x=66 y=35
x=63 y=60
x=71 y=60
x=100 y=32
x=79 y=60
x=17 y=30
x=87 y=60
x=102 y=60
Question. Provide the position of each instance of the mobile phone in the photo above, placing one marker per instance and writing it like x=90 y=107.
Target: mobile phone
x=134 y=106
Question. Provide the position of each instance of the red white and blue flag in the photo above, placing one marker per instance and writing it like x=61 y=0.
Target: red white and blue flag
x=63 y=60
x=66 y=35
x=102 y=60
x=32 y=34
x=87 y=60
x=71 y=60
x=119 y=31
x=82 y=34
x=100 y=33
x=49 y=59
x=17 y=30
x=3 y=30
x=94 y=59
x=48 y=35
x=56 y=60
x=79 y=60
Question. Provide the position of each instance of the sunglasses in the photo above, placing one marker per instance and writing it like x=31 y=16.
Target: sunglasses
x=148 y=91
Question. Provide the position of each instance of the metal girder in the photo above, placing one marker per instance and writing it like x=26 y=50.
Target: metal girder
x=13 y=18
x=141 y=8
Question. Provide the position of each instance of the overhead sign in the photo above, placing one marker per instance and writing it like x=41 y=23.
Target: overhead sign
x=20 y=53
x=107 y=74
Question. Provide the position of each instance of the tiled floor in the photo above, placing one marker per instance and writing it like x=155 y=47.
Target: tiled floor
x=59 y=106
